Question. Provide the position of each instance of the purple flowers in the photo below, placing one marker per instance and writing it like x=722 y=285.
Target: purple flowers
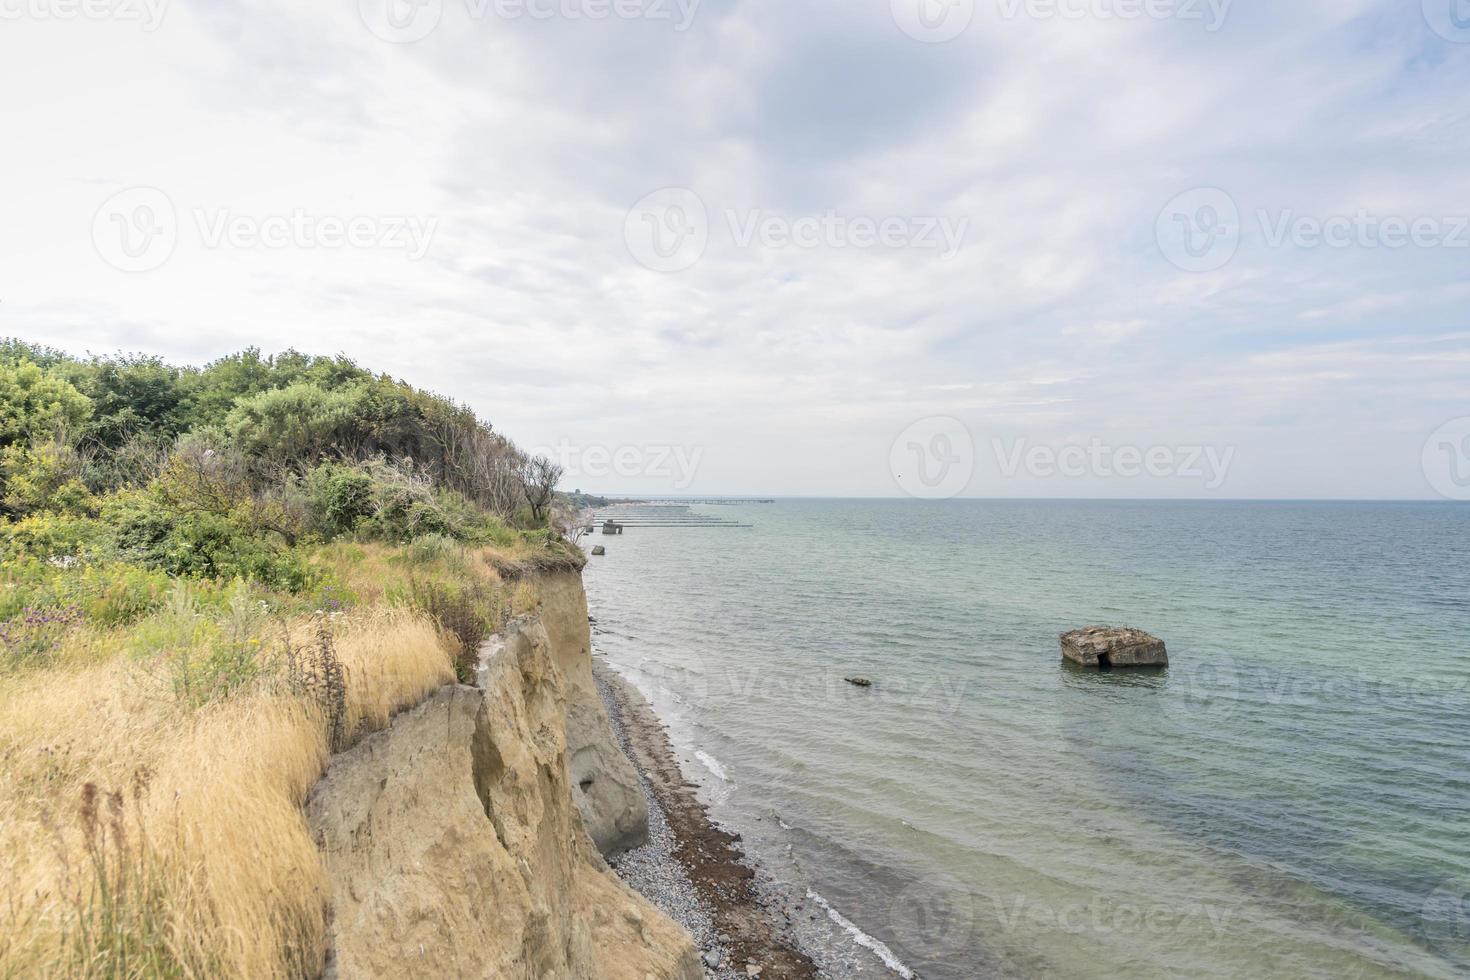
x=330 y=601
x=36 y=632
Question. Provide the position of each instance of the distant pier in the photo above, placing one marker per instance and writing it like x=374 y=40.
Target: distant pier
x=664 y=514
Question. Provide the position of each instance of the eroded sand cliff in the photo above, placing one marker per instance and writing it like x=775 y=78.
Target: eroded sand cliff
x=458 y=842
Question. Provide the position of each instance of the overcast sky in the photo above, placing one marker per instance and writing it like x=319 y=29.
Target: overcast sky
x=863 y=248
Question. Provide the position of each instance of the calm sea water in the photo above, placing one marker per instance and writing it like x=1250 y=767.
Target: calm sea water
x=1290 y=798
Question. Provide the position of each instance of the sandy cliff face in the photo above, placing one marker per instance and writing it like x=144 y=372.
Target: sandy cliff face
x=453 y=842
x=604 y=782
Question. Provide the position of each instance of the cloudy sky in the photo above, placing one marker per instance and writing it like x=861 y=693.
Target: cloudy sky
x=982 y=247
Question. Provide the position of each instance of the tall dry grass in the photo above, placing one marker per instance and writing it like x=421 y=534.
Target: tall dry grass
x=143 y=838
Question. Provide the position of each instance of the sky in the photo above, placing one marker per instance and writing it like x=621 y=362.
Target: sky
x=1013 y=248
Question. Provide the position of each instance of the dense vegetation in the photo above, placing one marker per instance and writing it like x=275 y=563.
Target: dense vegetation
x=211 y=578
x=226 y=471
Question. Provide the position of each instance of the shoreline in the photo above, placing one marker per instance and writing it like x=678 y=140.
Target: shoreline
x=710 y=888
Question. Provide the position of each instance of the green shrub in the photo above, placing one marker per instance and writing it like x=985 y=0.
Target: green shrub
x=428 y=548
x=199 y=544
x=38 y=404
x=468 y=609
x=106 y=594
x=301 y=423
x=66 y=538
x=43 y=477
x=338 y=498
x=199 y=657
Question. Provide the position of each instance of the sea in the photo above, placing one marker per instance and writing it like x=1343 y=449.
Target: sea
x=1290 y=797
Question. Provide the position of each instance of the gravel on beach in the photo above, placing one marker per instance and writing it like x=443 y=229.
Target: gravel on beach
x=655 y=873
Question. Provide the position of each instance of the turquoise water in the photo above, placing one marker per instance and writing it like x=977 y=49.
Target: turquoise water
x=1290 y=798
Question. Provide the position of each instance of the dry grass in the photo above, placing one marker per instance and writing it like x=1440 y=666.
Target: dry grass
x=141 y=838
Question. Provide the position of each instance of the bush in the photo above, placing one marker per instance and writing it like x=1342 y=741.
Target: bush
x=429 y=548
x=201 y=658
x=43 y=477
x=38 y=404
x=201 y=544
x=63 y=538
x=467 y=610
x=338 y=498
x=108 y=594
x=290 y=425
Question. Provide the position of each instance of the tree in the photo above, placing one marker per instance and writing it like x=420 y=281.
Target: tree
x=37 y=405
x=299 y=424
x=539 y=477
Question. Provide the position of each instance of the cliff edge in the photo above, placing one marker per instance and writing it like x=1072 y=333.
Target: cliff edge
x=457 y=841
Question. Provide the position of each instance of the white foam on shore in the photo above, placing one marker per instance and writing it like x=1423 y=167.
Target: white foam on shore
x=878 y=947
x=713 y=765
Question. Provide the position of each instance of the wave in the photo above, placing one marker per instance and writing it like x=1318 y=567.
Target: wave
x=713 y=765
x=878 y=947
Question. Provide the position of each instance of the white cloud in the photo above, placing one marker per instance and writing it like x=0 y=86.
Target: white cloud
x=793 y=368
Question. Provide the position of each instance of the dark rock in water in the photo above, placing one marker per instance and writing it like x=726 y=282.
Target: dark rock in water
x=858 y=681
x=1106 y=647
x=598 y=549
